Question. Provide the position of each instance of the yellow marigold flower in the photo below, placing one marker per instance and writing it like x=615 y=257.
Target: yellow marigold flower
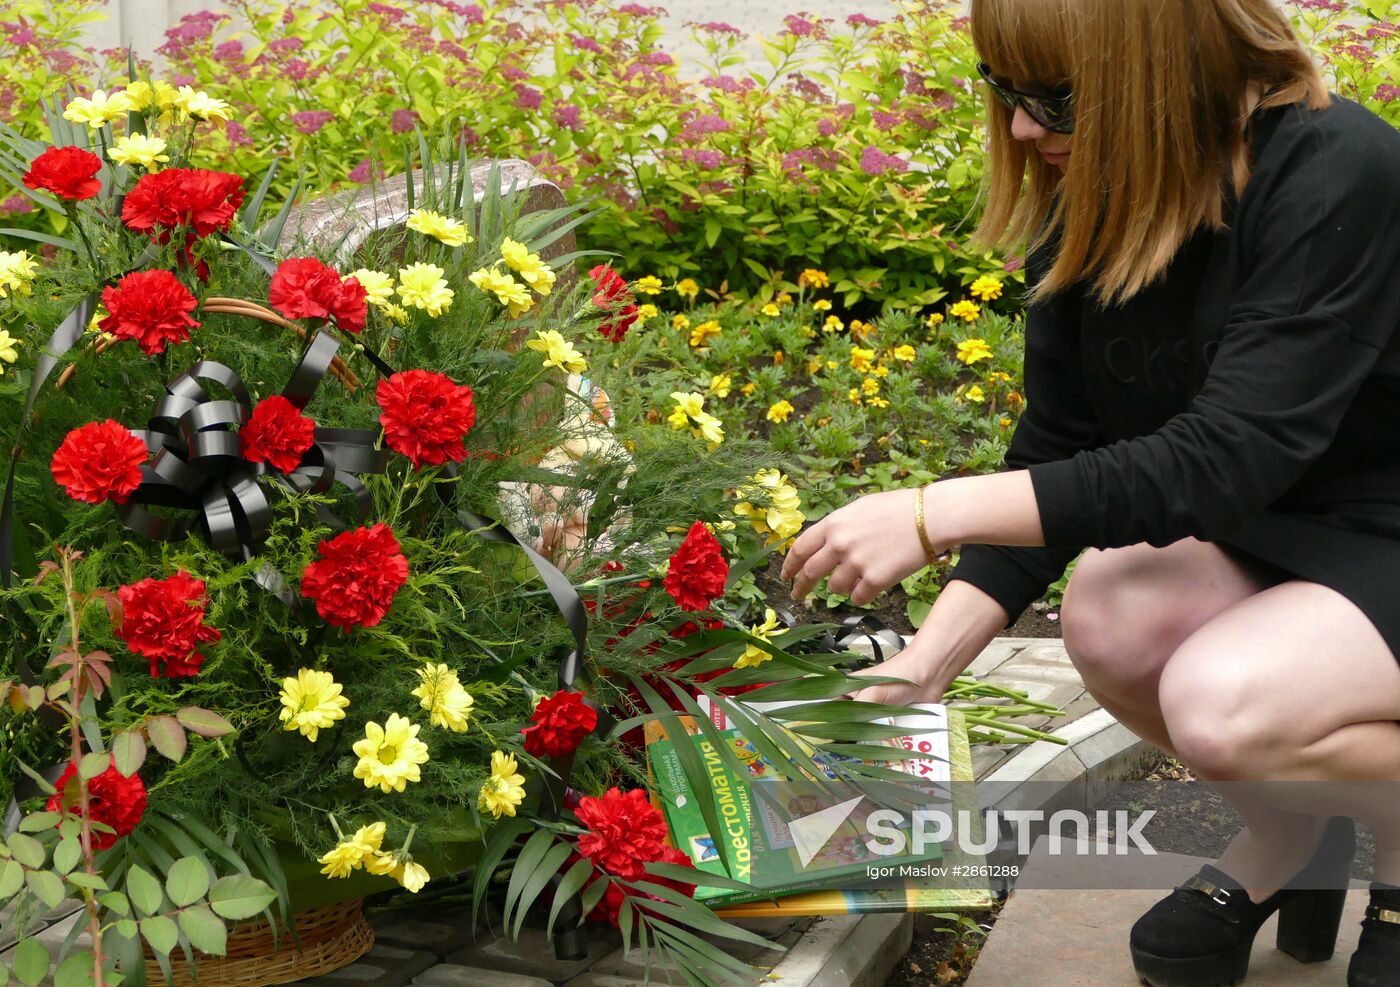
x=1014 y=399
x=396 y=313
x=442 y=695
x=974 y=394
x=700 y=335
x=822 y=305
x=379 y=287
x=351 y=852
x=779 y=411
x=870 y=386
x=558 y=351
x=934 y=320
x=854 y=395
x=533 y=271
x=138 y=149
x=1004 y=422
x=508 y=291
x=904 y=353
x=862 y=360
x=972 y=350
x=833 y=324
x=965 y=310
x=97 y=110
x=778 y=357
x=17 y=270
x=423 y=286
x=748 y=389
x=808 y=332
x=444 y=229
x=997 y=376
x=311 y=702
x=720 y=385
x=688 y=288
x=986 y=288
x=390 y=755
x=783 y=298
x=812 y=278
x=772 y=505
x=859 y=329
x=202 y=106
x=505 y=789
x=771 y=310
x=645 y=312
x=881 y=370
x=139 y=95
x=814 y=366
x=648 y=285
x=753 y=655
x=877 y=402
x=680 y=323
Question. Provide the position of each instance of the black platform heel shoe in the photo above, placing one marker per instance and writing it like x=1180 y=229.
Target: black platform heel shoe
x=1376 y=962
x=1202 y=933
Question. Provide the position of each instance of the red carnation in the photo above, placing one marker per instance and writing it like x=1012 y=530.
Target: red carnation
x=67 y=172
x=277 y=433
x=626 y=832
x=698 y=570
x=152 y=308
x=610 y=905
x=355 y=581
x=304 y=288
x=611 y=291
x=197 y=199
x=560 y=724
x=425 y=416
x=98 y=462
x=113 y=800
x=163 y=620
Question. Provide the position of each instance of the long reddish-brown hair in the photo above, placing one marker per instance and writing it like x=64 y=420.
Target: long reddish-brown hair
x=1160 y=101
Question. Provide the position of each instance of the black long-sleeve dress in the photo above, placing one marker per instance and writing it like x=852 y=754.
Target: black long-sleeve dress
x=1249 y=397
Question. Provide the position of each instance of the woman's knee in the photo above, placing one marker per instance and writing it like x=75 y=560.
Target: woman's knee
x=1108 y=624
x=1217 y=714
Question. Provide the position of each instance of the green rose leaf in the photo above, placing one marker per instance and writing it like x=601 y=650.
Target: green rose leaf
x=39 y=822
x=66 y=855
x=161 y=933
x=168 y=737
x=204 y=722
x=144 y=890
x=11 y=879
x=204 y=930
x=75 y=971
x=93 y=765
x=30 y=962
x=239 y=897
x=187 y=882
x=27 y=850
x=129 y=752
x=46 y=885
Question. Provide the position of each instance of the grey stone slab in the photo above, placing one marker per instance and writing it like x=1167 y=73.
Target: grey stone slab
x=993 y=656
x=987 y=757
x=1112 y=756
x=532 y=955
x=1062 y=937
x=451 y=975
x=382 y=966
x=417 y=931
x=846 y=951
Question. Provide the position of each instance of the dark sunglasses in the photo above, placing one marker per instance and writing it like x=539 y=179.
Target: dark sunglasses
x=1051 y=112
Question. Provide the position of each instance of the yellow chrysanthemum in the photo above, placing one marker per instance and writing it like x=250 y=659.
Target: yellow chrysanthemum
x=99 y=109
x=379 y=287
x=779 y=411
x=533 y=271
x=164 y=96
x=862 y=359
x=812 y=278
x=771 y=310
x=986 y=288
x=965 y=310
x=9 y=351
x=448 y=704
x=558 y=351
x=974 y=394
x=508 y=291
x=351 y=852
x=138 y=149
x=680 y=323
x=690 y=411
x=17 y=271
x=649 y=285
x=390 y=755
x=772 y=505
x=753 y=655
x=972 y=350
x=423 y=286
x=822 y=305
x=397 y=314
x=202 y=106
x=401 y=867
x=311 y=702
x=648 y=311
x=904 y=353
x=720 y=385
x=505 y=789
x=443 y=229
x=701 y=334
x=412 y=876
x=688 y=288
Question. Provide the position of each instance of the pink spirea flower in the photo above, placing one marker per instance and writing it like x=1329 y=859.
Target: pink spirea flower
x=528 y=98
x=568 y=116
x=311 y=121
x=402 y=121
x=874 y=161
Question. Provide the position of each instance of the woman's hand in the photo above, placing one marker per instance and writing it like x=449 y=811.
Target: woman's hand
x=927 y=679
x=866 y=547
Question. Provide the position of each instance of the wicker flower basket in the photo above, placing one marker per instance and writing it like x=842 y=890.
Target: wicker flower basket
x=330 y=937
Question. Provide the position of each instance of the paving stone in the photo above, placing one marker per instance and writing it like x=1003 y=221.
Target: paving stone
x=451 y=975
x=532 y=955
x=1059 y=937
x=993 y=656
x=847 y=951
x=1084 y=727
x=416 y=931
x=382 y=966
x=1111 y=756
x=986 y=758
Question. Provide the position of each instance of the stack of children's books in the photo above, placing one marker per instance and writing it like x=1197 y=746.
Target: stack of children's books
x=805 y=849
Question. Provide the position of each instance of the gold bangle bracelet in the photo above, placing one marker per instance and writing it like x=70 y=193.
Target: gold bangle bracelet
x=934 y=558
